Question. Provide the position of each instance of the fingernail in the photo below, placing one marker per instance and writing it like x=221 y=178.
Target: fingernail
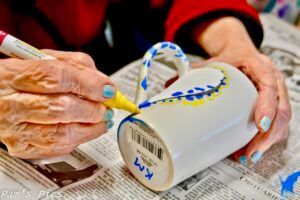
x=109 y=124
x=109 y=114
x=256 y=156
x=108 y=91
x=265 y=123
x=243 y=160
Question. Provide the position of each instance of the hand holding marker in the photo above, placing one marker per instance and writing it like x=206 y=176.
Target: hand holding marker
x=14 y=47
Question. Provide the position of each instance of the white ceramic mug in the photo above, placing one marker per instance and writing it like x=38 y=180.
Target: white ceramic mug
x=203 y=117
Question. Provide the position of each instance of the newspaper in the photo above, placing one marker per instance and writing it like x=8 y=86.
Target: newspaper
x=95 y=170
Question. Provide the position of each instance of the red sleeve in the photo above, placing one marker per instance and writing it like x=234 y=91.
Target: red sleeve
x=184 y=13
x=7 y=22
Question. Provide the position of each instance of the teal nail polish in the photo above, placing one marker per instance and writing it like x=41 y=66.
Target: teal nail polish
x=243 y=160
x=109 y=115
x=256 y=156
x=265 y=123
x=109 y=124
x=108 y=91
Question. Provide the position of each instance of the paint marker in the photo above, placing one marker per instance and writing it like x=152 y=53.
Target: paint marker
x=14 y=47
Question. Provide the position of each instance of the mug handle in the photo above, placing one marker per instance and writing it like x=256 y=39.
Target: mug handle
x=163 y=49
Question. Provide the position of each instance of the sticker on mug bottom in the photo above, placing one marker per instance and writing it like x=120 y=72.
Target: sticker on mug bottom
x=150 y=157
x=193 y=99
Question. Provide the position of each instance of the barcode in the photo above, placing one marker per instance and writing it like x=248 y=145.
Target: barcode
x=150 y=146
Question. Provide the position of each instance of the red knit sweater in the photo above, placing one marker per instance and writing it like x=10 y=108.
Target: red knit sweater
x=79 y=21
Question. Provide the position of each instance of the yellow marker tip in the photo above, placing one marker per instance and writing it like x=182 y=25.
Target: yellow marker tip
x=121 y=102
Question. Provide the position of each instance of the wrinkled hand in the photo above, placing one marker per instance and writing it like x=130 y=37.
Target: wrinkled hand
x=273 y=110
x=42 y=112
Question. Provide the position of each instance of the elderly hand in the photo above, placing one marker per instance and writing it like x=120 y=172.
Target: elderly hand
x=227 y=40
x=48 y=107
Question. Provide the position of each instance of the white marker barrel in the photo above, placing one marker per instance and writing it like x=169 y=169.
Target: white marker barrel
x=14 y=47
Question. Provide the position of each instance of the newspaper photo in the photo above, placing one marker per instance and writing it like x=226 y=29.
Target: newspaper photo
x=96 y=170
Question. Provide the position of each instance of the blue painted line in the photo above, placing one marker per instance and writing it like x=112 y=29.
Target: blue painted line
x=179 y=54
x=189 y=98
x=172 y=46
x=200 y=89
x=145 y=104
x=144 y=84
x=148 y=63
x=164 y=45
x=199 y=96
x=145 y=62
x=190 y=91
x=175 y=94
x=154 y=53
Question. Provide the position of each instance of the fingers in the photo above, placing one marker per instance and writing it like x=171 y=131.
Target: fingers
x=54 y=76
x=263 y=73
x=79 y=59
x=240 y=156
x=263 y=141
x=40 y=141
x=279 y=128
x=52 y=109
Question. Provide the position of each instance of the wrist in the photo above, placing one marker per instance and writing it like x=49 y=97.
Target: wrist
x=226 y=35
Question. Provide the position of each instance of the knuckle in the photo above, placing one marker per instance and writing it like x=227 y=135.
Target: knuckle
x=40 y=73
x=265 y=60
x=9 y=61
x=84 y=58
x=285 y=114
x=60 y=106
x=18 y=150
x=264 y=64
x=64 y=133
x=254 y=63
x=66 y=150
x=269 y=85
